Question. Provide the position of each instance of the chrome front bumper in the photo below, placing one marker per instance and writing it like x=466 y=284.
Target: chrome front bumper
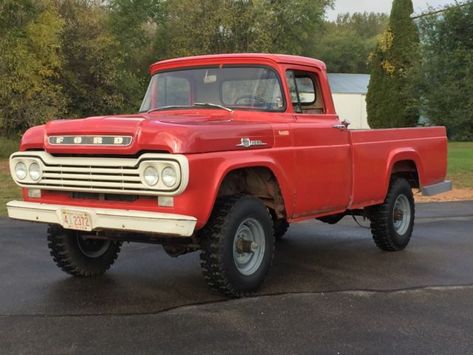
x=112 y=219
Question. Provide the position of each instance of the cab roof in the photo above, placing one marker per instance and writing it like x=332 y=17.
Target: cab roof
x=236 y=58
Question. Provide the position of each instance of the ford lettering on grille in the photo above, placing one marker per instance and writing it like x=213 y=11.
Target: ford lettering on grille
x=91 y=140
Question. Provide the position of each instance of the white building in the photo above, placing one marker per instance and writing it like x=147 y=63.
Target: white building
x=349 y=95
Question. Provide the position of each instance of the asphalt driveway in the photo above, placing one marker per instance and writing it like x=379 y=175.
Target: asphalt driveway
x=330 y=291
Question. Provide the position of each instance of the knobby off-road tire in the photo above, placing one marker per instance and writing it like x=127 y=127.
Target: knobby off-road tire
x=78 y=256
x=227 y=265
x=393 y=221
x=280 y=228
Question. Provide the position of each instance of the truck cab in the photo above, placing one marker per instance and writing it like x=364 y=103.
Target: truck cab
x=224 y=154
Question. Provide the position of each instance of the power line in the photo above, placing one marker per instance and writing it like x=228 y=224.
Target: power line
x=440 y=11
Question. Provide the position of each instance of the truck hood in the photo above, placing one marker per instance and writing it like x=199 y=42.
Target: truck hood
x=178 y=132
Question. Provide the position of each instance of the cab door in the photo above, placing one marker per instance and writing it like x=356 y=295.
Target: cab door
x=322 y=146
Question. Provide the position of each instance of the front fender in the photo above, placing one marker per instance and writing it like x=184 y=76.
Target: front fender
x=265 y=162
x=207 y=172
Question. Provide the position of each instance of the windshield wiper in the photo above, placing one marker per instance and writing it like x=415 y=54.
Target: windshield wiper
x=197 y=104
x=167 y=108
x=209 y=104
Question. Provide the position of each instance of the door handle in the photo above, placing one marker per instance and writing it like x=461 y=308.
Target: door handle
x=342 y=126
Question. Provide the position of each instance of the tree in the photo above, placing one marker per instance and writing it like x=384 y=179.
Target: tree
x=92 y=59
x=365 y=24
x=225 y=26
x=215 y=26
x=393 y=98
x=30 y=62
x=345 y=45
x=448 y=69
x=134 y=24
x=293 y=25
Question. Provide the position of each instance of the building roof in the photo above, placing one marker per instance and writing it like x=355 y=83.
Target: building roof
x=349 y=83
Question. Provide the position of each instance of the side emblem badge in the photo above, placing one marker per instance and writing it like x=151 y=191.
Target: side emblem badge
x=247 y=143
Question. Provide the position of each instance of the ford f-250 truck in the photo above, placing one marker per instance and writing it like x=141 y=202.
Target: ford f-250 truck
x=225 y=153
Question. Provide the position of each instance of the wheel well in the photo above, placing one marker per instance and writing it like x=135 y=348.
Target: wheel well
x=255 y=181
x=408 y=170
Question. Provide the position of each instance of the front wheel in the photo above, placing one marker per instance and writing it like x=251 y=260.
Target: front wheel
x=237 y=246
x=80 y=256
x=393 y=221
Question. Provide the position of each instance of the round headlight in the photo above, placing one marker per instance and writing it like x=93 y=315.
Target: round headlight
x=169 y=176
x=35 y=171
x=21 y=171
x=151 y=176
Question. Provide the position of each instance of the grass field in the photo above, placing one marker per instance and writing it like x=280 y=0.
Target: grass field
x=460 y=169
x=460 y=164
x=8 y=189
x=8 y=146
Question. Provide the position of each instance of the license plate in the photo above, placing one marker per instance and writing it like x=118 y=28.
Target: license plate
x=76 y=220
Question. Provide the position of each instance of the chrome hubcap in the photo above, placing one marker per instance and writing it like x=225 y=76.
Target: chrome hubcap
x=249 y=246
x=401 y=214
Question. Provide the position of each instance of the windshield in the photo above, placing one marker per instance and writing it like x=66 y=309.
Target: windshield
x=250 y=88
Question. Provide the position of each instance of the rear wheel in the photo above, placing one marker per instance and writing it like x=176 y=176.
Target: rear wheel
x=80 y=256
x=237 y=246
x=393 y=221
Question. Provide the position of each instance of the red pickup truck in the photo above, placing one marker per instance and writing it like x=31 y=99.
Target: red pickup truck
x=225 y=153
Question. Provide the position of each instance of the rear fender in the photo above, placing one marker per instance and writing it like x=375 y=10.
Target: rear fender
x=398 y=155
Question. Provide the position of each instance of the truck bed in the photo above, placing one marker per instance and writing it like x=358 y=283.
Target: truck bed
x=376 y=151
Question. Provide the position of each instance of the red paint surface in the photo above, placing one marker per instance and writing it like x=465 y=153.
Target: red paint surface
x=320 y=169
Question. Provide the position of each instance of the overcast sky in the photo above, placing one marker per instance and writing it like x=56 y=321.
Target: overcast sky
x=342 y=6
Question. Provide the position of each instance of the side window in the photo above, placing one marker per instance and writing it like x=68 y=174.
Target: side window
x=173 y=90
x=304 y=88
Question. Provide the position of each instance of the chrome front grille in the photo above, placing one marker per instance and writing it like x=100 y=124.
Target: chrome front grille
x=100 y=175
x=91 y=177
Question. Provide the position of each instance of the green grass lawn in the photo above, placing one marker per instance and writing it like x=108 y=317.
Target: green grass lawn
x=460 y=164
x=8 y=146
x=460 y=169
x=8 y=189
